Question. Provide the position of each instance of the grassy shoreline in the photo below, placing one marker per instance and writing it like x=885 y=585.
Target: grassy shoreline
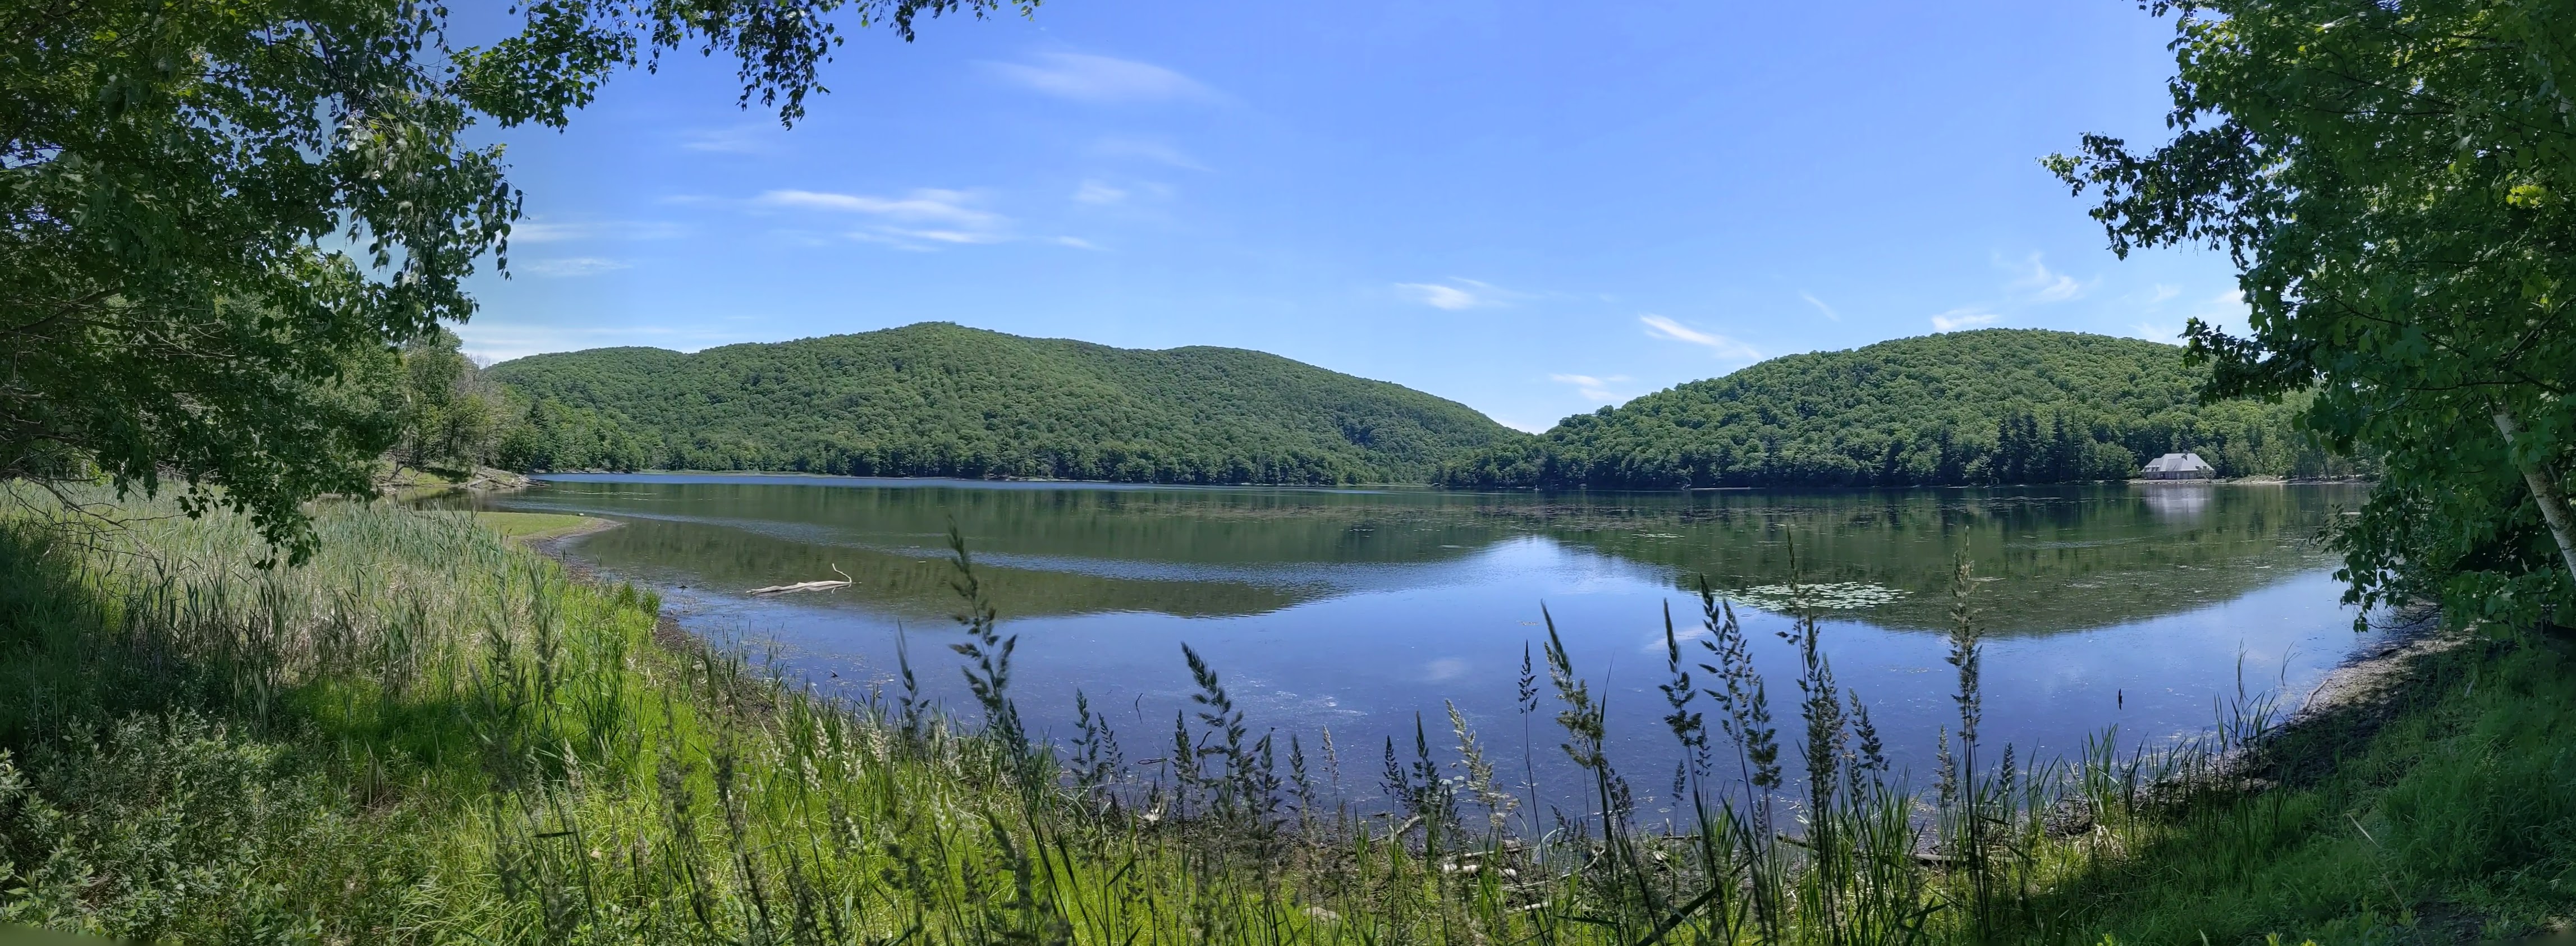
x=537 y=528
x=434 y=734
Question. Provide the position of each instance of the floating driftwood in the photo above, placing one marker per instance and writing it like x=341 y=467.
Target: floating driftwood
x=824 y=585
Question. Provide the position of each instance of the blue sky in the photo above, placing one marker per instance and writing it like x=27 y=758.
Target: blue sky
x=1532 y=209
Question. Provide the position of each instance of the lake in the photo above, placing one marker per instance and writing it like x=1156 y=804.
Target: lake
x=2140 y=607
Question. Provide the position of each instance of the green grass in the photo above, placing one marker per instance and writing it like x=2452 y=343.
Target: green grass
x=2453 y=822
x=429 y=734
x=533 y=526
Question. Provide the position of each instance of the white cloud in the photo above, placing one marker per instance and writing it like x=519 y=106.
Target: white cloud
x=1089 y=78
x=488 y=342
x=557 y=231
x=571 y=266
x=926 y=215
x=1455 y=295
x=1660 y=327
x=530 y=231
x=2227 y=311
x=1437 y=296
x=1147 y=149
x=2043 y=285
x=1078 y=243
x=1592 y=388
x=1523 y=426
x=951 y=236
x=926 y=204
x=739 y=139
x=1957 y=319
x=1095 y=192
x=1821 y=306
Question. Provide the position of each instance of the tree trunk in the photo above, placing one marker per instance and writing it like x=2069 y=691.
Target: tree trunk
x=2544 y=487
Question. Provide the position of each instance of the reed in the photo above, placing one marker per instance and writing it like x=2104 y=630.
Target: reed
x=430 y=734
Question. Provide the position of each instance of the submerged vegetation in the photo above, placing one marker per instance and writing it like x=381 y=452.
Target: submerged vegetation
x=431 y=734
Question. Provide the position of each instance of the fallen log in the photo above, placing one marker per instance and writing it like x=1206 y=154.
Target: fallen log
x=824 y=585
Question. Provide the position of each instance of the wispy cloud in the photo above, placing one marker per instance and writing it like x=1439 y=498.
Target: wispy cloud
x=919 y=217
x=2039 y=284
x=1095 y=192
x=1821 y=306
x=1078 y=243
x=1664 y=328
x=913 y=238
x=530 y=231
x=558 y=231
x=1592 y=388
x=2227 y=311
x=1146 y=149
x=924 y=204
x=1087 y=78
x=571 y=266
x=488 y=342
x=739 y=139
x=1438 y=296
x=1454 y=295
x=1957 y=319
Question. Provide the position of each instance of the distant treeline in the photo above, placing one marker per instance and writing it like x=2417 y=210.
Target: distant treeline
x=1992 y=406
x=1985 y=407
x=936 y=399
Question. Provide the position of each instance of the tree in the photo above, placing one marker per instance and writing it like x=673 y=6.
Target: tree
x=452 y=415
x=1956 y=408
x=212 y=214
x=432 y=367
x=2396 y=183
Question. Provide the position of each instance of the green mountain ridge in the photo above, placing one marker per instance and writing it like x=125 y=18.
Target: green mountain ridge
x=1981 y=407
x=938 y=399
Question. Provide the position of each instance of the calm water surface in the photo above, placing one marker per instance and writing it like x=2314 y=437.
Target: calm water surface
x=2136 y=607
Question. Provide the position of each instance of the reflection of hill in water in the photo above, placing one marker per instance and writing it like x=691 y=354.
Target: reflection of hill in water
x=1042 y=551
x=913 y=584
x=1195 y=526
x=2052 y=559
x=2057 y=558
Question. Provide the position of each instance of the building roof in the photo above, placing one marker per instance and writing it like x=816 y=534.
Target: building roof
x=2178 y=463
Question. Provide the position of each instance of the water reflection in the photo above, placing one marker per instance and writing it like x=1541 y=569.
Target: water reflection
x=2177 y=501
x=1354 y=610
x=2075 y=557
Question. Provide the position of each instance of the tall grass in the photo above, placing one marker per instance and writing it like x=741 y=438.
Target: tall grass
x=429 y=734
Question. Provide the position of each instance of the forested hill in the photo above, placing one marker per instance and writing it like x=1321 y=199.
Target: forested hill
x=937 y=399
x=1991 y=406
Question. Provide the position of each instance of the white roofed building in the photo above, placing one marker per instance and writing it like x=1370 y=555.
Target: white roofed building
x=2180 y=466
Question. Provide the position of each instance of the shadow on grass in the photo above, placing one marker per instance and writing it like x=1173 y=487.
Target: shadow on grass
x=2441 y=809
